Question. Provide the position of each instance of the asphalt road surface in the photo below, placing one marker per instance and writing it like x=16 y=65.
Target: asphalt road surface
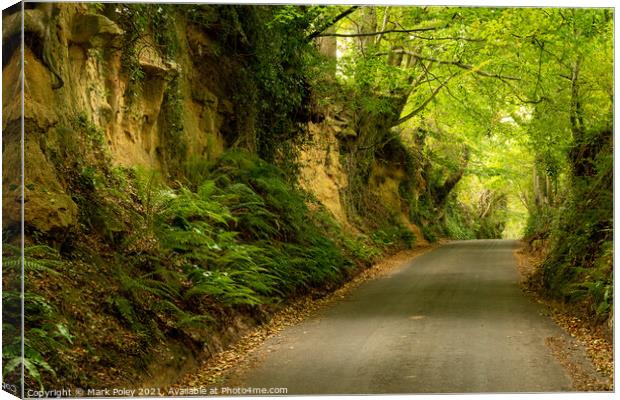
x=451 y=321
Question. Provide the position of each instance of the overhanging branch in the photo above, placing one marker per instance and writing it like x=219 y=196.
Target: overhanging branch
x=425 y=103
x=457 y=64
x=465 y=39
x=380 y=32
x=319 y=31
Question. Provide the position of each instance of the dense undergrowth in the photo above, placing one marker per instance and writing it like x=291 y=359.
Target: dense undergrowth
x=578 y=233
x=235 y=238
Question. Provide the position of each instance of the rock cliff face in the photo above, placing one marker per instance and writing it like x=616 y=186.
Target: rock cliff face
x=86 y=50
x=178 y=109
x=322 y=172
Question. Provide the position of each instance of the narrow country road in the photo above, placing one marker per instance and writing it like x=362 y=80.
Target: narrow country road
x=452 y=321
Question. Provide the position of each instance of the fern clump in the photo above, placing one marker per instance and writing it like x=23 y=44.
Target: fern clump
x=243 y=235
x=45 y=335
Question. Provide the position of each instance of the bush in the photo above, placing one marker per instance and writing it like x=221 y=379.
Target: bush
x=394 y=235
x=538 y=224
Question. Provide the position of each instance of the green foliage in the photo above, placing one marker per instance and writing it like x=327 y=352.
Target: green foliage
x=37 y=259
x=124 y=307
x=244 y=235
x=94 y=133
x=280 y=69
x=361 y=249
x=153 y=303
x=134 y=20
x=458 y=224
x=430 y=232
x=138 y=21
x=272 y=63
x=579 y=230
x=356 y=247
x=596 y=287
x=195 y=226
x=286 y=206
x=579 y=263
x=241 y=286
x=392 y=235
x=45 y=334
x=163 y=22
x=539 y=224
x=152 y=194
x=239 y=236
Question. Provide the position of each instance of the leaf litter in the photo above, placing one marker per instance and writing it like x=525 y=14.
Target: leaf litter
x=595 y=338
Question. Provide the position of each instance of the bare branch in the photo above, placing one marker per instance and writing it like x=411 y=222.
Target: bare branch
x=390 y=137
x=340 y=16
x=458 y=64
x=425 y=103
x=386 y=15
x=381 y=32
x=449 y=38
x=515 y=92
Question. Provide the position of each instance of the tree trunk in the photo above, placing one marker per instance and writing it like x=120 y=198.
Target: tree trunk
x=368 y=23
x=328 y=45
